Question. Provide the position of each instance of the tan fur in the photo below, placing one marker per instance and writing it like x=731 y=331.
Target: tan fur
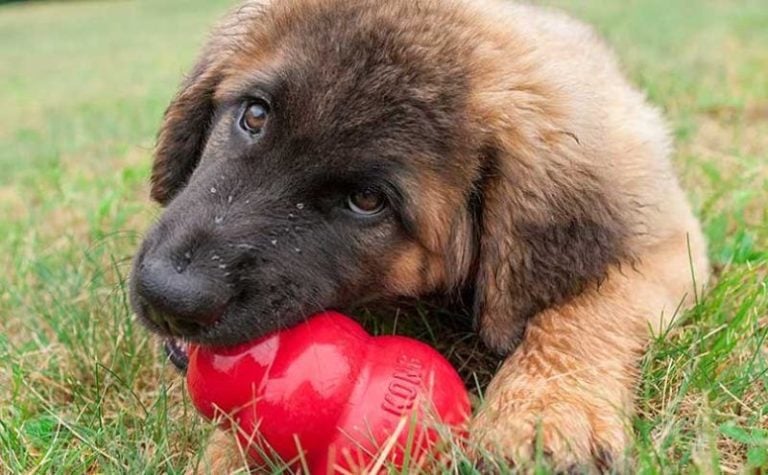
x=576 y=142
x=222 y=456
x=414 y=271
x=569 y=386
x=441 y=256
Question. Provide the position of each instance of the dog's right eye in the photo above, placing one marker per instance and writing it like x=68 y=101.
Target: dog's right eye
x=254 y=117
x=366 y=202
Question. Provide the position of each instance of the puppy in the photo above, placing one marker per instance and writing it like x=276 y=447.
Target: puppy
x=324 y=153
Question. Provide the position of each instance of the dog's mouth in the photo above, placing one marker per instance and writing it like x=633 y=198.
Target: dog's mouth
x=177 y=353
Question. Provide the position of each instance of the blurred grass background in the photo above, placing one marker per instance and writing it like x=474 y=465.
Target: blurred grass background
x=82 y=89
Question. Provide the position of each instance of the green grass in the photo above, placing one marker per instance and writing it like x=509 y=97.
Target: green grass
x=82 y=88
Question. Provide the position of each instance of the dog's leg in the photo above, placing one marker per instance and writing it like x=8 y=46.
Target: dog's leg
x=222 y=455
x=567 y=392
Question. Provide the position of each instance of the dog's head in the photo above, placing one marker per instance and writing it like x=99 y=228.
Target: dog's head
x=326 y=153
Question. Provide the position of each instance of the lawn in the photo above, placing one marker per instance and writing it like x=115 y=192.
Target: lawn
x=82 y=88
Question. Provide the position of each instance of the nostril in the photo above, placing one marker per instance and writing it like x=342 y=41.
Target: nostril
x=181 y=263
x=187 y=298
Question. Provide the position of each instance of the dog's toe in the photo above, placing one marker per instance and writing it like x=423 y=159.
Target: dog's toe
x=567 y=437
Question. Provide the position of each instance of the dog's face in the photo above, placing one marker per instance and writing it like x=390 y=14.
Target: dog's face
x=321 y=162
x=323 y=154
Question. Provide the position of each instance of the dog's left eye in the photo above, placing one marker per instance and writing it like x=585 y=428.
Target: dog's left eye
x=366 y=202
x=254 y=117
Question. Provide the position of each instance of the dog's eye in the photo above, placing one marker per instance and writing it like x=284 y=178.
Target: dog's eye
x=366 y=202
x=254 y=117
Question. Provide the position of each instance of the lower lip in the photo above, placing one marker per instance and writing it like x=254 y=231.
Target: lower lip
x=177 y=353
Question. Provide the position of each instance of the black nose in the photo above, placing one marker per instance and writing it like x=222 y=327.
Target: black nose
x=184 y=298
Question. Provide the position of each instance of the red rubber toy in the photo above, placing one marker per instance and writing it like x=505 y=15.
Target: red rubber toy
x=333 y=390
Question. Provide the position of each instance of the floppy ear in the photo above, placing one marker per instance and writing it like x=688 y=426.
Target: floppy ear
x=184 y=132
x=547 y=229
x=187 y=121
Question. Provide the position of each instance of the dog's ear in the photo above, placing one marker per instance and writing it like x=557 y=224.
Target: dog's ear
x=187 y=121
x=184 y=132
x=547 y=229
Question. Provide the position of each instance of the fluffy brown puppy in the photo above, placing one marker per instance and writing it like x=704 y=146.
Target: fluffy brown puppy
x=323 y=153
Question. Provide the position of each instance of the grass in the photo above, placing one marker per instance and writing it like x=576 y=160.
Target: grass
x=83 y=86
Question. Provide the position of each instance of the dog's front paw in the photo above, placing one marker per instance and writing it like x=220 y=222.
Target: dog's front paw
x=573 y=431
x=222 y=455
